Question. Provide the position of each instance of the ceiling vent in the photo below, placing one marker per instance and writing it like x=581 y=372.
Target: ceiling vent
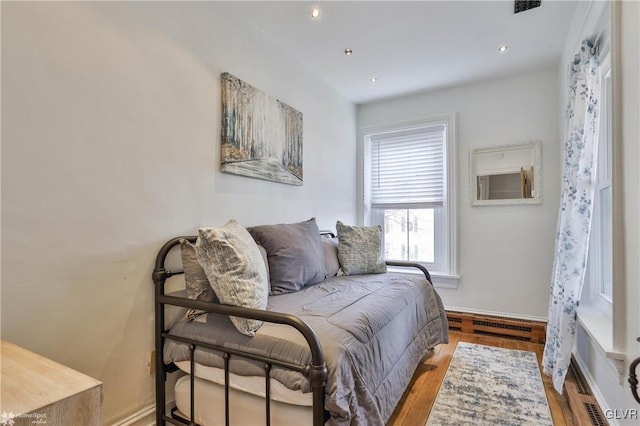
x=522 y=5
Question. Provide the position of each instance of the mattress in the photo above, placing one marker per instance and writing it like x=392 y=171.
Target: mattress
x=245 y=409
x=253 y=385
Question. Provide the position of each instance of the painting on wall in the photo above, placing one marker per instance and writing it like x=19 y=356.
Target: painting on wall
x=261 y=136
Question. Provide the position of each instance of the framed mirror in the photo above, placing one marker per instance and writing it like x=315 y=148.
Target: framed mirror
x=506 y=175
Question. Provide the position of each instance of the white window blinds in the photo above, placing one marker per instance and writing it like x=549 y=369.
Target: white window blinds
x=407 y=168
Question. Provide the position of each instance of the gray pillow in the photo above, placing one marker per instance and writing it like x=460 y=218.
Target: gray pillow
x=294 y=252
x=331 y=263
x=234 y=266
x=196 y=281
x=263 y=253
x=360 y=249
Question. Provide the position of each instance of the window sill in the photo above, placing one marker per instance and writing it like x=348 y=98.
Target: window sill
x=599 y=327
x=445 y=281
x=439 y=280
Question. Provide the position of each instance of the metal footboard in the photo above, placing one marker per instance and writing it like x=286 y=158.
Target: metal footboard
x=316 y=371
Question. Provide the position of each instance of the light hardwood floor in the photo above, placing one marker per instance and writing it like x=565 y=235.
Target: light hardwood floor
x=413 y=409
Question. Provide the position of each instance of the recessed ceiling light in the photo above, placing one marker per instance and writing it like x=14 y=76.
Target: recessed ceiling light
x=502 y=49
x=348 y=52
x=373 y=79
x=315 y=13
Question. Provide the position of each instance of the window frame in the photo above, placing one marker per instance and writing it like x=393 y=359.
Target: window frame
x=593 y=293
x=444 y=271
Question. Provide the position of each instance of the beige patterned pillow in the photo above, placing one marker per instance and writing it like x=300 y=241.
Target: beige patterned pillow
x=235 y=268
x=360 y=249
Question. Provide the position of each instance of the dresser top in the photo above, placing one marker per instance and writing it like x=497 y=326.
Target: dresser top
x=29 y=381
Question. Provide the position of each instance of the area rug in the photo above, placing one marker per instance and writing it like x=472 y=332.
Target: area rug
x=486 y=385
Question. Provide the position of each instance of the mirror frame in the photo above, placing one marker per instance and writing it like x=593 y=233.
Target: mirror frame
x=536 y=146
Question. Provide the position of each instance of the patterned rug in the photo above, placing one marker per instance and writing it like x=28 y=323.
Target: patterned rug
x=485 y=385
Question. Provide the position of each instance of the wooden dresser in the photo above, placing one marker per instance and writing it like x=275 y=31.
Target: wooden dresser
x=36 y=390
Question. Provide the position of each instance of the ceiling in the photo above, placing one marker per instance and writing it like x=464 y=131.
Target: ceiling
x=409 y=46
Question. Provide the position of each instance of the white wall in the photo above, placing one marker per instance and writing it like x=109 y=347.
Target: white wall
x=609 y=386
x=630 y=136
x=505 y=252
x=110 y=146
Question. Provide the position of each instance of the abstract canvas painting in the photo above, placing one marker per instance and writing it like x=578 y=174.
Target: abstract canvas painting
x=261 y=136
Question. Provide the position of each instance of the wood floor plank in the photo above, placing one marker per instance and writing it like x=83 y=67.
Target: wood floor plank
x=427 y=375
x=431 y=378
x=415 y=405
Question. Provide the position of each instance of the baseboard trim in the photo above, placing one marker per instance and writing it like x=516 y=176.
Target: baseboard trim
x=496 y=313
x=146 y=416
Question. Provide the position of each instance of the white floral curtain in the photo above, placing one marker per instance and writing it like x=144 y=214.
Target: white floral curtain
x=576 y=207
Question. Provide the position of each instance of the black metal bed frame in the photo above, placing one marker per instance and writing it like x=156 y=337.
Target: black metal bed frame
x=316 y=371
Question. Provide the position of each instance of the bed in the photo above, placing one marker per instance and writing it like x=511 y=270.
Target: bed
x=339 y=352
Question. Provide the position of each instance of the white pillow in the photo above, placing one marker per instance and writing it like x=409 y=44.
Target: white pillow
x=234 y=266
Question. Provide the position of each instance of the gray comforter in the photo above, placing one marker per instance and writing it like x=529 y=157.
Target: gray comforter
x=373 y=330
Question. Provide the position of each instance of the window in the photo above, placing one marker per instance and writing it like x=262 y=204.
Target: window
x=407 y=188
x=420 y=235
x=599 y=278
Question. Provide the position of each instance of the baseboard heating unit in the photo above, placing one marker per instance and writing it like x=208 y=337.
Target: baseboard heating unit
x=533 y=331
x=583 y=404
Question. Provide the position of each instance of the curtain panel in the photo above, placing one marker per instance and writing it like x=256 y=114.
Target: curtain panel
x=576 y=208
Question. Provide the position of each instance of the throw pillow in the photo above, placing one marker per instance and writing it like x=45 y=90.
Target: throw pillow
x=360 y=249
x=294 y=253
x=331 y=262
x=196 y=281
x=234 y=266
x=263 y=253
